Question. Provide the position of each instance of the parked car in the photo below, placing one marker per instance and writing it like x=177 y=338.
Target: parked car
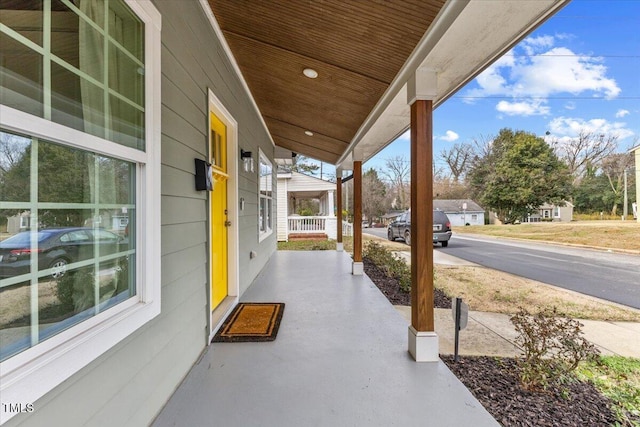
x=57 y=247
x=401 y=228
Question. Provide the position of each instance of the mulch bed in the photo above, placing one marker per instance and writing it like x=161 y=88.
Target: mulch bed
x=494 y=382
x=390 y=288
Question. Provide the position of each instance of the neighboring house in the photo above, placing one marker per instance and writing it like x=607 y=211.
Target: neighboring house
x=546 y=213
x=551 y=212
x=131 y=93
x=295 y=186
x=461 y=212
x=388 y=218
x=19 y=222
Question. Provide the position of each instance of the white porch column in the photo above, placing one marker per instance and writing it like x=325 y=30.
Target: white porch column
x=423 y=340
x=339 y=244
x=330 y=209
x=358 y=265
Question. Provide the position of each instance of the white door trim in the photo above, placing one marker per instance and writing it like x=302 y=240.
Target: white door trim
x=233 y=284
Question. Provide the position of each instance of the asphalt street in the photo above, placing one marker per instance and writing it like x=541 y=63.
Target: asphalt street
x=603 y=274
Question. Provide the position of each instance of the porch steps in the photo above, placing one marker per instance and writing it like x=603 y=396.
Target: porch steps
x=308 y=236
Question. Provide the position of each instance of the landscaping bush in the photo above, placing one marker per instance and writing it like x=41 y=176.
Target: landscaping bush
x=392 y=265
x=552 y=345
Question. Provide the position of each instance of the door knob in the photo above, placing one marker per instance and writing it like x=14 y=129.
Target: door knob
x=227 y=223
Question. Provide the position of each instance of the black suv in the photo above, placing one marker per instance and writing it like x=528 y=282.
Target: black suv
x=401 y=227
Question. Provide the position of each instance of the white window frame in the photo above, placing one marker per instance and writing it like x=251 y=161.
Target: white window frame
x=269 y=231
x=25 y=221
x=31 y=374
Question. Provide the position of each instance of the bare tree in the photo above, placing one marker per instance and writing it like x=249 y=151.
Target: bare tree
x=458 y=158
x=397 y=172
x=587 y=149
x=12 y=148
x=613 y=166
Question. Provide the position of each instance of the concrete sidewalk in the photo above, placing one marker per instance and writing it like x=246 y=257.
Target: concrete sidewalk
x=493 y=334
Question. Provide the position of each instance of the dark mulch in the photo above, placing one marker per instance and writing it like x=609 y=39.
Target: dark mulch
x=390 y=288
x=494 y=382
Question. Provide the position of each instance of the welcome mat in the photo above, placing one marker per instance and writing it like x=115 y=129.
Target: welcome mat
x=251 y=322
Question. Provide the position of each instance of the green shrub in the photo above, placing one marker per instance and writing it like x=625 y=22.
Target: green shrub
x=392 y=265
x=76 y=290
x=552 y=346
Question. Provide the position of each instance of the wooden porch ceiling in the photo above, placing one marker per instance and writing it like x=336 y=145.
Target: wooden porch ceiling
x=357 y=48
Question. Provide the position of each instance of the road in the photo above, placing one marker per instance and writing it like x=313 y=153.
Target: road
x=611 y=276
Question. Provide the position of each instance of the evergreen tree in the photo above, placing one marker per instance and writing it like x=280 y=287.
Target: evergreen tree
x=518 y=174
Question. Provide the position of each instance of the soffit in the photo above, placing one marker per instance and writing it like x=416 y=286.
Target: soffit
x=364 y=51
x=357 y=48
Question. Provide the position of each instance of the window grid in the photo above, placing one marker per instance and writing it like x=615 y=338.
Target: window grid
x=49 y=57
x=265 y=196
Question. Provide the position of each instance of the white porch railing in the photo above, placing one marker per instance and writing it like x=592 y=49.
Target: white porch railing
x=347 y=228
x=317 y=224
x=307 y=224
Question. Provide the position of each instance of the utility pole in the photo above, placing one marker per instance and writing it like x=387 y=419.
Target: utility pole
x=625 y=210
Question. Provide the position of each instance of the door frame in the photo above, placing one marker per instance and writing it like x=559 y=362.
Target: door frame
x=216 y=107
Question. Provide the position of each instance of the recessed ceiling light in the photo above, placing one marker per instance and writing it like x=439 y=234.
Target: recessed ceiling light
x=310 y=72
x=308 y=133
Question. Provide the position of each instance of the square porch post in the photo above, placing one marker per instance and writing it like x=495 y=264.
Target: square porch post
x=358 y=266
x=339 y=245
x=423 y=341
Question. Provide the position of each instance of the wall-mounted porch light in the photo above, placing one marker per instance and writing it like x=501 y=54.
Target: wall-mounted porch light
x=247 y=160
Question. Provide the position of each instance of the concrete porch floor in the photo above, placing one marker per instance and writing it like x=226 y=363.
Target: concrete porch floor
x=340 y=359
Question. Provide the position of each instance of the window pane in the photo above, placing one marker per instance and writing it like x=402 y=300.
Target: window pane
x=76 y=257
x=24 y=17
x=131 y=87
x=76 y=102
x=117 y=181
x=80 y=86
x=127 y=124
x=126 y=29
x=77 y=42
x=20 y=77
x=64 y=175
x=15 y=167
x=15 y=319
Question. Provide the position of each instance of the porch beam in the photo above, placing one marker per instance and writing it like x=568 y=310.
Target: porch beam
x=423 y=341
x=358 y=267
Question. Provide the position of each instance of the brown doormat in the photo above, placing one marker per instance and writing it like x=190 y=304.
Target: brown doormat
x=251 y=322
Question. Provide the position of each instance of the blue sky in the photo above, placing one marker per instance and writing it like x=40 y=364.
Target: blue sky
x=579 y=71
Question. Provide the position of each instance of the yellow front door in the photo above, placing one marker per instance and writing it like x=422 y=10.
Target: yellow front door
x=218 y=211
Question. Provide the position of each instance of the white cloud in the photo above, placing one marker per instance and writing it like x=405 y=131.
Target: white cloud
x=569 y=127
x=449 y=136
x=560 y=71
x=533 y=44
x=523 y=108
x=621 y=113
x=570 y=105
x=538 y=69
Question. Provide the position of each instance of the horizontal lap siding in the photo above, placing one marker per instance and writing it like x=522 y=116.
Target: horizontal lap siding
x=129 y=384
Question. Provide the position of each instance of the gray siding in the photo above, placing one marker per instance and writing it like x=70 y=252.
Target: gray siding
x=129 y=384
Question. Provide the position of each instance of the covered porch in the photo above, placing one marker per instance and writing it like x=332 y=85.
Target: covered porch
x=294 y=187
x=339 y=359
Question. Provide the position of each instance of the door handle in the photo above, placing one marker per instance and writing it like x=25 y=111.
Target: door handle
x=227 y=223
